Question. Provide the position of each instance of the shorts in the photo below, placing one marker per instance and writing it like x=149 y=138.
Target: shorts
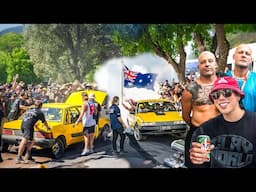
x=28 y=133
x=89 y=130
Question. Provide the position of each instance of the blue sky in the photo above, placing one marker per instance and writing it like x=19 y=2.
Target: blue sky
x=5 y=26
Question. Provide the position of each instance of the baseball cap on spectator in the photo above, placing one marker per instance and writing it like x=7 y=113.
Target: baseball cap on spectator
x=226 y=83
x=91 y=96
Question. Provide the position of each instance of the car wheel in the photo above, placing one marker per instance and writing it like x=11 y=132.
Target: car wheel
x=137 y=134
x=105 y=133
x=58 y=148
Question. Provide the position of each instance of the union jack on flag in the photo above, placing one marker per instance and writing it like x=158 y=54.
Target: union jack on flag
x=129 y=75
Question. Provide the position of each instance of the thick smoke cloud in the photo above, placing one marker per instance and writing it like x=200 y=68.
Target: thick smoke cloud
x=109 y=76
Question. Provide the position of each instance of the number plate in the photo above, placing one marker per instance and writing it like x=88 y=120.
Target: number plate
x=165 y=128
x=18 y=132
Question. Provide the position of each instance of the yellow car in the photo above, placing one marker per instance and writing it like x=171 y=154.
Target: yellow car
x=103 y=131
x=156 y=116
x=61 y=117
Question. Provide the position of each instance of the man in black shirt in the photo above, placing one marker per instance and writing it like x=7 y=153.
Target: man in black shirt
x=232 y=133
x=27 y=127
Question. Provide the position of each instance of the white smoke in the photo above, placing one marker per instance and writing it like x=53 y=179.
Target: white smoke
x=109 y=76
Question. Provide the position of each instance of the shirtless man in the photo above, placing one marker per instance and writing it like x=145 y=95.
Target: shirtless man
x=196 y=105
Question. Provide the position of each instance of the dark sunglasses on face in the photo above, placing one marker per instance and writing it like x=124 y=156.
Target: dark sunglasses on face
x=225 y=92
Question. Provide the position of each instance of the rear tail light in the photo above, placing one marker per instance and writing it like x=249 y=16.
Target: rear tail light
x=45 y=135
x=7 y=132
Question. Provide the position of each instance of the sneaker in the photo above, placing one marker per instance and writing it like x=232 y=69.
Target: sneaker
x=85 y=152
x=91 y=151
x=19 y=160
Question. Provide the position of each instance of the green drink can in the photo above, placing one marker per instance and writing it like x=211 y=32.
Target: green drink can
x=205 y=143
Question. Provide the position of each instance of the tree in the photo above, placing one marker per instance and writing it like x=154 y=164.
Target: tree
x=14 y=59
x=18 y=62
x=9 y=41
x=67 y=51
x=166 y=40
x=3 y=74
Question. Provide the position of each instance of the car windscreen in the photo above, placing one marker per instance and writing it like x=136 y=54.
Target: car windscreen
x=159 y=106
x=52 y=114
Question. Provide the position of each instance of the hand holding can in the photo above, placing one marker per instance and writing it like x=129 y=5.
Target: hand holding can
x=205 y=142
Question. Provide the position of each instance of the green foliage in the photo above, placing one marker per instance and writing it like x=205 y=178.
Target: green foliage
x=3 y=74
x=237 y=28
x=14 y=59
x=166 y=40
x=18 y=62
x=9 y=41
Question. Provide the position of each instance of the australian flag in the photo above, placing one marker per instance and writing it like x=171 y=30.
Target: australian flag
x=137 y=79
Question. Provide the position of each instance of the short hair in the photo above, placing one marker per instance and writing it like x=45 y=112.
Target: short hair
x=84 y=94
x=38 y=103
x=115 y=99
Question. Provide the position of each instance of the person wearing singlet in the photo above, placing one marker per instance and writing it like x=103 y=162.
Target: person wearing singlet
x=88 y=122
x=245 y=78
x=197 y=108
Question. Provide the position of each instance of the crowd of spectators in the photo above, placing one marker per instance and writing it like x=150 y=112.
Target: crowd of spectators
x=46 y=92
x=172 y=92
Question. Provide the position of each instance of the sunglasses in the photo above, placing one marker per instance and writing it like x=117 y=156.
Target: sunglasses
x=225 y=92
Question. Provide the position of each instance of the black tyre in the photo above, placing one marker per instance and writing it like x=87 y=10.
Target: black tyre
x=105 y=134
x=137 y=134
x=58 y=148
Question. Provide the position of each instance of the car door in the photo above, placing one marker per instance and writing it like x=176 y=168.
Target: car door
x=75 y=132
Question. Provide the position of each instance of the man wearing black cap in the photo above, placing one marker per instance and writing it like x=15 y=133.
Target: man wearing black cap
x=27 y=127
x=232 y=133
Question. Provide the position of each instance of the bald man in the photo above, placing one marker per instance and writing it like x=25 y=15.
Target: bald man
x=197 y=108
x=245 y=78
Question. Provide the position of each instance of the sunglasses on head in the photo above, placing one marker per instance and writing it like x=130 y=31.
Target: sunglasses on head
x=225 y=92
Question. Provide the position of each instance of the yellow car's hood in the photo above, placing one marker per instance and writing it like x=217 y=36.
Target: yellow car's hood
x=160 y=117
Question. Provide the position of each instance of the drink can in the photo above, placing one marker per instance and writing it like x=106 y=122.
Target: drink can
x=206 y=142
